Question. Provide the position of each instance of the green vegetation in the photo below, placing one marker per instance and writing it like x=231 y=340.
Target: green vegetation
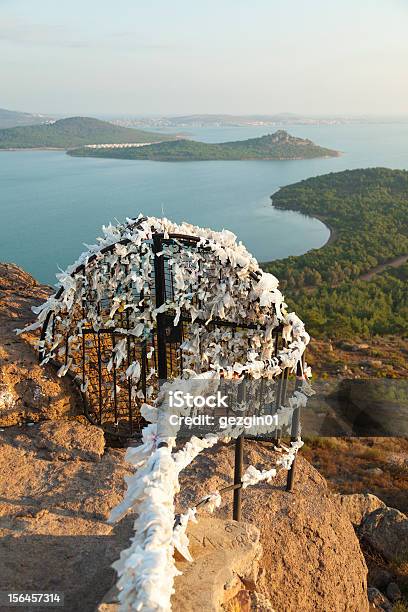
x=272 y=146
x=10 y=118
x=368 y=213
x=73 y=132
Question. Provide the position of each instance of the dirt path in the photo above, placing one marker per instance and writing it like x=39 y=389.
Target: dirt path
x=394 y=263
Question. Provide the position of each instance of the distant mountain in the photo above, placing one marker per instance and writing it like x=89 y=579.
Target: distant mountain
x=10 y=118
x=275 y=120
x=232 y=120
x=279 y=145
x=192 y=121
x=74 y=132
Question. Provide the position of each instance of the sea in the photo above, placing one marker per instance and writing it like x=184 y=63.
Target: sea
x=52 y=204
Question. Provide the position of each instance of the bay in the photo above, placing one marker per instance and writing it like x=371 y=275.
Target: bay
x=50 y=203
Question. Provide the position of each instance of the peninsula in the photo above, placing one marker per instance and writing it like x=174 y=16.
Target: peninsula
x=10 y=118
x=356 y=283
x=279 y=146
x=74 y=132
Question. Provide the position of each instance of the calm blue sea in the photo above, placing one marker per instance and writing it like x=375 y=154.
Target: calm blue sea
x=50 y=203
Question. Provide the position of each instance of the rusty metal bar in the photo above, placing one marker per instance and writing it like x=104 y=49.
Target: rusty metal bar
x=115 y=398
x=160 y=299
x=295 y=432
x=239 y=458
x=129 y=380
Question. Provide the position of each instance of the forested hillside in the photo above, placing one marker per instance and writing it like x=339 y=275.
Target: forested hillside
x=74 y=132
x=279 y=145
x=367 y=211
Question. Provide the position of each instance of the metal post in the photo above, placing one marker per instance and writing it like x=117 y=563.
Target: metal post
x=295 y=428
x=239 y=457
x=294 y=437
x=160 y=299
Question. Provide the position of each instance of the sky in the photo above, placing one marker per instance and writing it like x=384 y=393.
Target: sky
x=140 y=57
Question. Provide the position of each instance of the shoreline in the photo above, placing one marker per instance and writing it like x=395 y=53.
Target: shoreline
x=198 y=160
x=332 y=230
x=17 y=149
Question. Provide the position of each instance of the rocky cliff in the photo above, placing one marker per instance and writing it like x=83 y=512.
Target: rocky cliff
x=293 y=551
x=28 y=392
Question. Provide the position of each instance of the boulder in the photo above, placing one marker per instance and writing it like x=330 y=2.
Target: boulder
x=374 y=471
x=386 y=530
x=310 y=560
x=53 y=513
x=378 y=600
x=69 y=440
x=223 y=573
x=378 y=577
x=28 y=392
x=358 y=505
x=226 y=555
x=311 y=555
x=393 y=591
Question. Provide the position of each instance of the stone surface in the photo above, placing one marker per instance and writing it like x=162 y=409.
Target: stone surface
x=69 y=440
x=28 y=392
x=378 y=600
x=359 y=505
x=378 y=577
x=223 y=573
x=53 y=530
x=393 y=591
x=226 y=555
x=375 y=471
x=260 y=603
x=311 y=556
x=386 y=530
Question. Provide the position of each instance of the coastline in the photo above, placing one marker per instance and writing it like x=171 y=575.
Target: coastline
x=72 y=153
x=17 y=149
x=332 y=230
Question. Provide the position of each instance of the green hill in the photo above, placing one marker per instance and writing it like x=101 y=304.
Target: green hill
x=356 y=283
x=73 y=132
x=279 y=145
x=10 y=118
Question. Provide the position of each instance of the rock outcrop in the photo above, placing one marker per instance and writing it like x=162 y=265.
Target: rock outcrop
x=225 y=568
x=224 y=572
x=311 y=555
x=28 y=392
x=310 y=559
x=68 y=440
x=55 y=499
x=359 y=505
x=386 y=531
x=59 y=484
x=378 y=600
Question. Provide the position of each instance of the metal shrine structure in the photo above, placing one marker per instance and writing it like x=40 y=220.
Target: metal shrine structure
x=111 y=400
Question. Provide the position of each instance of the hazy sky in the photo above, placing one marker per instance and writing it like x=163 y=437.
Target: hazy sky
x=204 y=56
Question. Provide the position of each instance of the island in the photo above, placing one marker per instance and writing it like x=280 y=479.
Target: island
x=355 y=285
x=75 y=132
x=278 y=146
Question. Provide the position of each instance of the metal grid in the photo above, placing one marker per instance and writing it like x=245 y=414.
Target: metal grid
x=112 y=400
